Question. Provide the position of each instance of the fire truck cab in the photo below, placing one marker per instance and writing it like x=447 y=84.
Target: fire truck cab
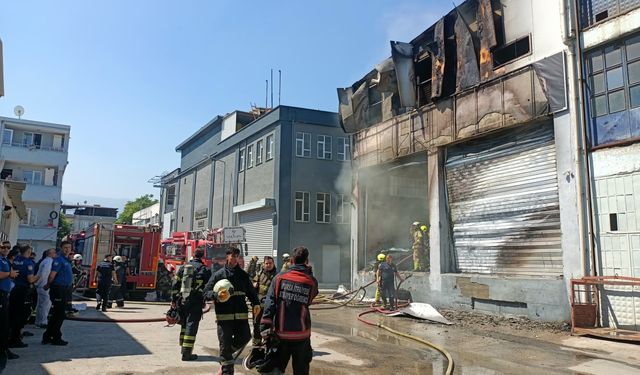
x=140 y=245
x=181 y=246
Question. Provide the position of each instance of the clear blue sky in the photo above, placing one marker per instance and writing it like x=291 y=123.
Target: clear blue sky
x=135 y=78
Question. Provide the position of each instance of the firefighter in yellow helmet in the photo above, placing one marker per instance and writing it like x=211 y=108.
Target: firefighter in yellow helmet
x=420 y=234
x=379 y=259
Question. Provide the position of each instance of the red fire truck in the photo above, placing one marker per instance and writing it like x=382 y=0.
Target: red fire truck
x=179 y=248
x=140 y=244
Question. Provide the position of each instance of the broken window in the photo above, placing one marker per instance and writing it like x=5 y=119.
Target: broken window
x=423 y=78
x=505 y=54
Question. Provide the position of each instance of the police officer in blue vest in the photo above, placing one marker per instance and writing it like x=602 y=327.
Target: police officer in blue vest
x=59 y=282
x=6 y=274
x=21 y=295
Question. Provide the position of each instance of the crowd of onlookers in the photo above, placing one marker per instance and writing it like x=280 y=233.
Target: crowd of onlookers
x=26 y=287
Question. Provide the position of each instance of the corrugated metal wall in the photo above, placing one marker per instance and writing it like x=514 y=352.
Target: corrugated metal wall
x=259 y=231
x=504 y=206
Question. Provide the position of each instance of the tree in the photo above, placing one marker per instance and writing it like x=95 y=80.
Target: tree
x=136 y=205
x=64 y=227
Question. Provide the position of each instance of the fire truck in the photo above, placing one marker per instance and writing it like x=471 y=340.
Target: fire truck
x=181 y=246
x=140 y=244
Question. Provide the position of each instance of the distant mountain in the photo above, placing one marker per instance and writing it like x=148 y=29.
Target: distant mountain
x=93 y=200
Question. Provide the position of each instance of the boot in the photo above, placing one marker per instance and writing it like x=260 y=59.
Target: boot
x=98 y=306
x=187 y=354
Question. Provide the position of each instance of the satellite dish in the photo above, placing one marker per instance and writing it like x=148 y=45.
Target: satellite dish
x=19 y=111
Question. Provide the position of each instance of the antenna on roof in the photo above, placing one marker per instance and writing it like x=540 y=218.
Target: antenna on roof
x=266 y=94
x=279 y=84
x=271 y=87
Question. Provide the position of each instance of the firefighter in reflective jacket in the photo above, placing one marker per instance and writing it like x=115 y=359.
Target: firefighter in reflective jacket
x=187 y=295
x=228 y=288
x=286 y=313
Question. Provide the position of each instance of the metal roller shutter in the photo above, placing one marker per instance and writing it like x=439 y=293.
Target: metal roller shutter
x=259 y=231
x=503 y=202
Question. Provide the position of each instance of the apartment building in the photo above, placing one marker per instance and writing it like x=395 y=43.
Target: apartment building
x=284 y=176
x=36 y=153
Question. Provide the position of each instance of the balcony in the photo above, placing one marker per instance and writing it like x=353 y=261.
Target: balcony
x=42 y=193
x=33 y=233
x=47 y=156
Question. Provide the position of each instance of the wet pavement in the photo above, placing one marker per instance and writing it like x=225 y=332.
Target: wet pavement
x=342 y=345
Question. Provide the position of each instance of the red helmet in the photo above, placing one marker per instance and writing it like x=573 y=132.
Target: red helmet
x=172 y=316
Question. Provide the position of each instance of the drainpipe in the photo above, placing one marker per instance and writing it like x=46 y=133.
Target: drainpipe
x=569 y=12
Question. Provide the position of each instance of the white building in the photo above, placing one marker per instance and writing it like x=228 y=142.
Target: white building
x=146 y=216
x=36 y=153
x=13 y=209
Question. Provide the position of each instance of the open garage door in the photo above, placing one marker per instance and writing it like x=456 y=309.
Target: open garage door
x=259 y=231
x=503 y=202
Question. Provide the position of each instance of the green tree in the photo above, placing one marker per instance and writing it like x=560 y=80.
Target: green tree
x=64 y=227
x=133 y=206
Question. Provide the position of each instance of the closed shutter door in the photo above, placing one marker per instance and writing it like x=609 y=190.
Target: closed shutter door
x=259 y=231
x=503 y=202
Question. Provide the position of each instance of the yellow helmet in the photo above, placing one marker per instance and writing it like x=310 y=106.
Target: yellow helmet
x=381 y=257
x=424 y=228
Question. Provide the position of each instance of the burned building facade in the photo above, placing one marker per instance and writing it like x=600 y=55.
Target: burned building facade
x=471 y=129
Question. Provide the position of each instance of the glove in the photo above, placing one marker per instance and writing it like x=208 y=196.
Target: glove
x=210 y=296
x=256 y=310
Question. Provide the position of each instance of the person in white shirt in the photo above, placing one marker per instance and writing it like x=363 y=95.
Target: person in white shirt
x=44 y=303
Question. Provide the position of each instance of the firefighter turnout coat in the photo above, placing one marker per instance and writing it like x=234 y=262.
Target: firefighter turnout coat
x=236 y=307
x=287 y=303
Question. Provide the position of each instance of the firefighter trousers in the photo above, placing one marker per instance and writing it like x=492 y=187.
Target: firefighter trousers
x=300 y=352
x=232 y=335
x=190 y=316
x=103 y=294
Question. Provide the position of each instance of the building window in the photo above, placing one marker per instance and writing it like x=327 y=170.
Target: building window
x=303 y=145
x=171 y=195
x=32 y=139
x=324 y=147
x=32 y=177
x=7 y=136
x=32 y=217
x=249 y=156
x=343 y=211
x=241 y=161
x=259 y=149
x=323 y=208
x=301 y=206
x=269 y=147
x=613 y=89
x=344 y=149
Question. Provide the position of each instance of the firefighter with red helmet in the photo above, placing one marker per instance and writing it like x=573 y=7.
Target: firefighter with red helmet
x=188 y=299
x=228 y=288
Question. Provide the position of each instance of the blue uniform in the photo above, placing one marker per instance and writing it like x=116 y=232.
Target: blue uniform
x=64 y=272
x=25 y=267
x=5 y=284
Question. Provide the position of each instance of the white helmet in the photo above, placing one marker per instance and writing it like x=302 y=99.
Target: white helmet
x=117 y=258
x=221 y=285
x=286 y=256
x=77 y=257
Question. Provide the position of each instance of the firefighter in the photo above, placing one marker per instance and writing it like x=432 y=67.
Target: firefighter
x=417 y=246
x=285 y=262
x=104 y=278
x=261 y=282
x=121 y=280
x=424 y=229
x=187 y=296
x=252 y=270
x=286 y=313
x=379 y=260
x=228 y=288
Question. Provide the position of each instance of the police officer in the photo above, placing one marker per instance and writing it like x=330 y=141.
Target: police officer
x=261 y=282
x=6 y=274
x=59 y=282
x=187 y=295
x=20 y=299
x=232 y=315
x=104 y=278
